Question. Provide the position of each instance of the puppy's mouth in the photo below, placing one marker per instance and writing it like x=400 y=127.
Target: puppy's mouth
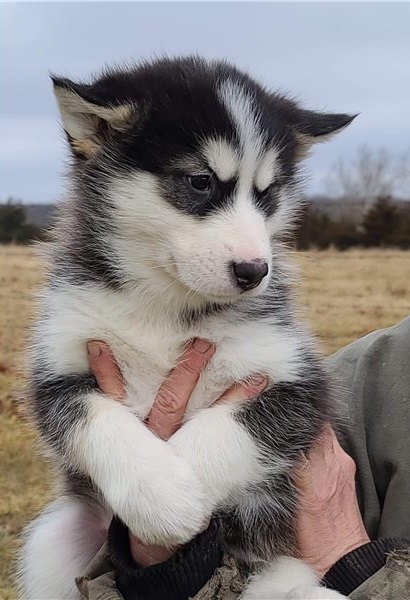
x=230 y=295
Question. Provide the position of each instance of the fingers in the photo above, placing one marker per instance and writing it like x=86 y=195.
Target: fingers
x=170 y=404
x=105 y=369
x=322 y=450
x=146 y=556
x=346 y=462
x=245 y=390
x=169 y=407
x=331 y=451
x=317 y=464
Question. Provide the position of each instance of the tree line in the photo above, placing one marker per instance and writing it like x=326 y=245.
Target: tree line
x=384 y=224
x=371 y=179
x=14 y=227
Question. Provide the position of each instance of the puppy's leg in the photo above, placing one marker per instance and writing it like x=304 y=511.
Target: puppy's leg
x=287 y=579
x=221 y=452
x=57 y=548
x=154 y=491
x=232 y=446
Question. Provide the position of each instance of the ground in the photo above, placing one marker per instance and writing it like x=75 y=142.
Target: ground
x=347 y=295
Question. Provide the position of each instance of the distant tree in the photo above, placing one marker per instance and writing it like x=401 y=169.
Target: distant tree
x=318 y=230
x=372 y=174
x=401 y=236
x=312 y=230
x=380 y=223
x=13 y=224
x=345 y=234
x=365 y=178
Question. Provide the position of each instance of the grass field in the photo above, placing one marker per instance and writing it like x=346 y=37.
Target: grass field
x=347 y=295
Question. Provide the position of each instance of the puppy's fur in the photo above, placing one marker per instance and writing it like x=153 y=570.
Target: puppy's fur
x=181 y=170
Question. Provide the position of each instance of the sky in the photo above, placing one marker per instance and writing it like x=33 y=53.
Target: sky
x=345 y=57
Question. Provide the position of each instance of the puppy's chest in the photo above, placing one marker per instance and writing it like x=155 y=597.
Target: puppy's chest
x=146 y=356
x=147 y=349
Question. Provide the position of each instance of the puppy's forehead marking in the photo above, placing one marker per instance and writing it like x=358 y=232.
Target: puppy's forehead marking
x=267 y=169
x=240 y=105
x=222 y=158
x=242 y=109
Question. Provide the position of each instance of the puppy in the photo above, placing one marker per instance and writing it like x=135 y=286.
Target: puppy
x=184 y=181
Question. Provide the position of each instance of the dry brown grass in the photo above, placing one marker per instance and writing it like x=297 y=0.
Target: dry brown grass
x=348 y=295
x=23 y=474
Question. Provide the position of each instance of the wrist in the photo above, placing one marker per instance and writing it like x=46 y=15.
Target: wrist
x=181 y=576
x=336 y=552
x=326 y=536
x=146 y=556
x=354 y=568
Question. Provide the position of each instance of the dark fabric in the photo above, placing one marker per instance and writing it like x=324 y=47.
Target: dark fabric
x=179 y=578
x=357 y=566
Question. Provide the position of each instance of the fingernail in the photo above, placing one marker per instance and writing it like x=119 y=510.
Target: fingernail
x=94 y=349
x=201 y=346
x=258 y=381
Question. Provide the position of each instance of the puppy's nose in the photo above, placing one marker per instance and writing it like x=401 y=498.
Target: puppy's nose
x=248 y=275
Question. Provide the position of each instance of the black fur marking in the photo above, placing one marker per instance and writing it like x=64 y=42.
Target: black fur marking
x=189 y=317
x=176 y=191
x=261 y=525
x=84 y=255
x=58 y=405
x=287 y=418
x=284 y=421
x=317 y=124
x=78 y=484
x=89 y=265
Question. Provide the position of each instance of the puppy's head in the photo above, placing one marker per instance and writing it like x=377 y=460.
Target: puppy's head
x=196 y=166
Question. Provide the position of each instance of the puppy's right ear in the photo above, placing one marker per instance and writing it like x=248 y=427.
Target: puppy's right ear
x=88 y=120
x=311 y=127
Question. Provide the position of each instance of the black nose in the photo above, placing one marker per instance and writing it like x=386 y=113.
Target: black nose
x=248 y=275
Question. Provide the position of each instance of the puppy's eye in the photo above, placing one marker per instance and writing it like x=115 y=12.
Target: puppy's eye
x=272 y=188
x=200 y=183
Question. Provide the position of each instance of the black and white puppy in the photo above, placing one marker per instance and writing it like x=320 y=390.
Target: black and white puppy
x=184 y=180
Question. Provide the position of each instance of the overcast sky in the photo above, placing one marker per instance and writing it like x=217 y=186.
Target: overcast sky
x=343 y=57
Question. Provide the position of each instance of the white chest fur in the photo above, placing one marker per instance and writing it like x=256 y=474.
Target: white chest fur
x=147 y=345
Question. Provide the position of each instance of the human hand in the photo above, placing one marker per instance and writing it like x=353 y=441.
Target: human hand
x=167 y=413
x=329 y=523
x=169 y=407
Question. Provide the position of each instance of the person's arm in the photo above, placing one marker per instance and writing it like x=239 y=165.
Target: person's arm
x=331 y=533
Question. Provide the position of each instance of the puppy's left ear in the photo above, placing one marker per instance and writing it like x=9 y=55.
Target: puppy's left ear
x=87 y=118
x=312 y=127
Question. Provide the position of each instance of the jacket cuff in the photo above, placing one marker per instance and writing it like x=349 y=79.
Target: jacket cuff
x=179 y=578
x=357 y=566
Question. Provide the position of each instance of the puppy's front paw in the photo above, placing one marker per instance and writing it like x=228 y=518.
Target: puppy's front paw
x=313 y=593
x=287 y=579
x=168 y=510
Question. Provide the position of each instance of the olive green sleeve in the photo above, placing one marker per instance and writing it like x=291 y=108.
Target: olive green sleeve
x=375 y=375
